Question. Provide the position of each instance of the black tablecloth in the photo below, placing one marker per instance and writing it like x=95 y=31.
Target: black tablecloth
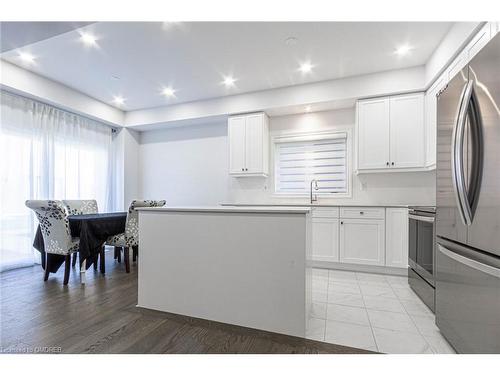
x=93 y=230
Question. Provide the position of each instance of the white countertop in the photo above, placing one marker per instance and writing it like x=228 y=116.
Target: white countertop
x=226 y=204
x=232 y=209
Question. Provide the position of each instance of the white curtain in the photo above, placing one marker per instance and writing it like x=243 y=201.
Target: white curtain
x=46 y=153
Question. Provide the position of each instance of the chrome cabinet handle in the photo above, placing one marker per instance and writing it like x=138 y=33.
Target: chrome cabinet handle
x=387 y=163
x=421 y=218
x=392 y=163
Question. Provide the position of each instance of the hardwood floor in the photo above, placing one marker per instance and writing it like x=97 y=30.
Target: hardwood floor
x=101 y=317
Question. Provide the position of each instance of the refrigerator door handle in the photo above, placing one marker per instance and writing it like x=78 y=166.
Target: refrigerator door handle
x=477 y=142
x=457 y=152
x=485 y=268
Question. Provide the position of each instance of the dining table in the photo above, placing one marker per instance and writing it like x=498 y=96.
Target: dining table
x=92 y=230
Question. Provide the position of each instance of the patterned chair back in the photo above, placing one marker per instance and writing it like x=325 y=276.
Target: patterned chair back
x=81 y=206
x=54 y=225
x=132 y=223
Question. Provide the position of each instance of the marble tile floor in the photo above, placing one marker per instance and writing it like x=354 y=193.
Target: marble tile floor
x=374 y=312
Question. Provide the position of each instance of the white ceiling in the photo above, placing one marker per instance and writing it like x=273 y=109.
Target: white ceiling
x=136 y=59
x=19 y=34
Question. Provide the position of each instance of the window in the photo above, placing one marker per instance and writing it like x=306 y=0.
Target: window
x=47 y=153
x=299 y=160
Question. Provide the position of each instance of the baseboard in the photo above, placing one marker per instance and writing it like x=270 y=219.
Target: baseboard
x=360 y=268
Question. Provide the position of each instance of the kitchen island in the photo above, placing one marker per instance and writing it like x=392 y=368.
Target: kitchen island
x=248 y=266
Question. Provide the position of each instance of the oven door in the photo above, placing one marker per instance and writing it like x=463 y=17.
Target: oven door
x=421 y=245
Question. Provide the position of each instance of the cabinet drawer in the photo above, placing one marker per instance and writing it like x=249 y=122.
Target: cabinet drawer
x=362 y=212
x=327 y=212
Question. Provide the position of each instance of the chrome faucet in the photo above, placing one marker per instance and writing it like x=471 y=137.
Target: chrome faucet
x=311 y=191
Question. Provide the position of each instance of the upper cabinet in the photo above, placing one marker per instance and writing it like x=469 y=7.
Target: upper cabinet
x=483 y=36
x=373 y=134
x=249 y=145
x=390 y=134
x=407 y=131
x=431 y=122
x=479 y=41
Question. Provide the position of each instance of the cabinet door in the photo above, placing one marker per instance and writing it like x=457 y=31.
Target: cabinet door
x=407 y=131
x=431 y=122
x=478 y=42
x=457 y=65
x=325 y=239
x=237 y=144
x=373 y=133
x=254 y=143
x=396 y=237
x=362 y=241
x=495 y=29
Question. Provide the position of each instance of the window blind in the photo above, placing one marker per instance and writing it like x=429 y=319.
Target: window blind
x=299 y=162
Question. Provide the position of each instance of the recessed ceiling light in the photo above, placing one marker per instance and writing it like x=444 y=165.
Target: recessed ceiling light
x=306 y=67
x=291 y=41
x=308 y=108
x=169 y=24
x=118 y=100
x=27 y=57
x=229 y=81
x=403 y=50
x=168 y=91
x=88 y=39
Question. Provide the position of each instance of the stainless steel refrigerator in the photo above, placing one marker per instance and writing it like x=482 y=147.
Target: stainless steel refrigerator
x=468 y=205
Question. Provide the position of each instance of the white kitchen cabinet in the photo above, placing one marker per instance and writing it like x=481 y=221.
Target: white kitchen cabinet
x=248 y=145
x=362 y=241
x=478 y=41
x=407 y=131
x=396 y=238
x=237 y=144
x=495 y=28
x=325 y=212
x=325 y=239
x=458 y=64
x=362 y=212
x=373 y=133
x=431 y=121
x=390 y=134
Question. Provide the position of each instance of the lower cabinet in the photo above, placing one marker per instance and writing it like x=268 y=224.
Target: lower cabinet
x=373 y=236
x=396 y=242
x=362 y=241
x=325 y=239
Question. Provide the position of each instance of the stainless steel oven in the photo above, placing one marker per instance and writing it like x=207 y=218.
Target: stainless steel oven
x=421 y=253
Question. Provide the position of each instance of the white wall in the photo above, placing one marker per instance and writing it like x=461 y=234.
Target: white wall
x=127 y=163
x=189 y=166
x=185 y=166
x=369 y=85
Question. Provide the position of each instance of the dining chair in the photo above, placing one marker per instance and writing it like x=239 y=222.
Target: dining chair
x=130 y=238
x=54 y=225
x=83 y=207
